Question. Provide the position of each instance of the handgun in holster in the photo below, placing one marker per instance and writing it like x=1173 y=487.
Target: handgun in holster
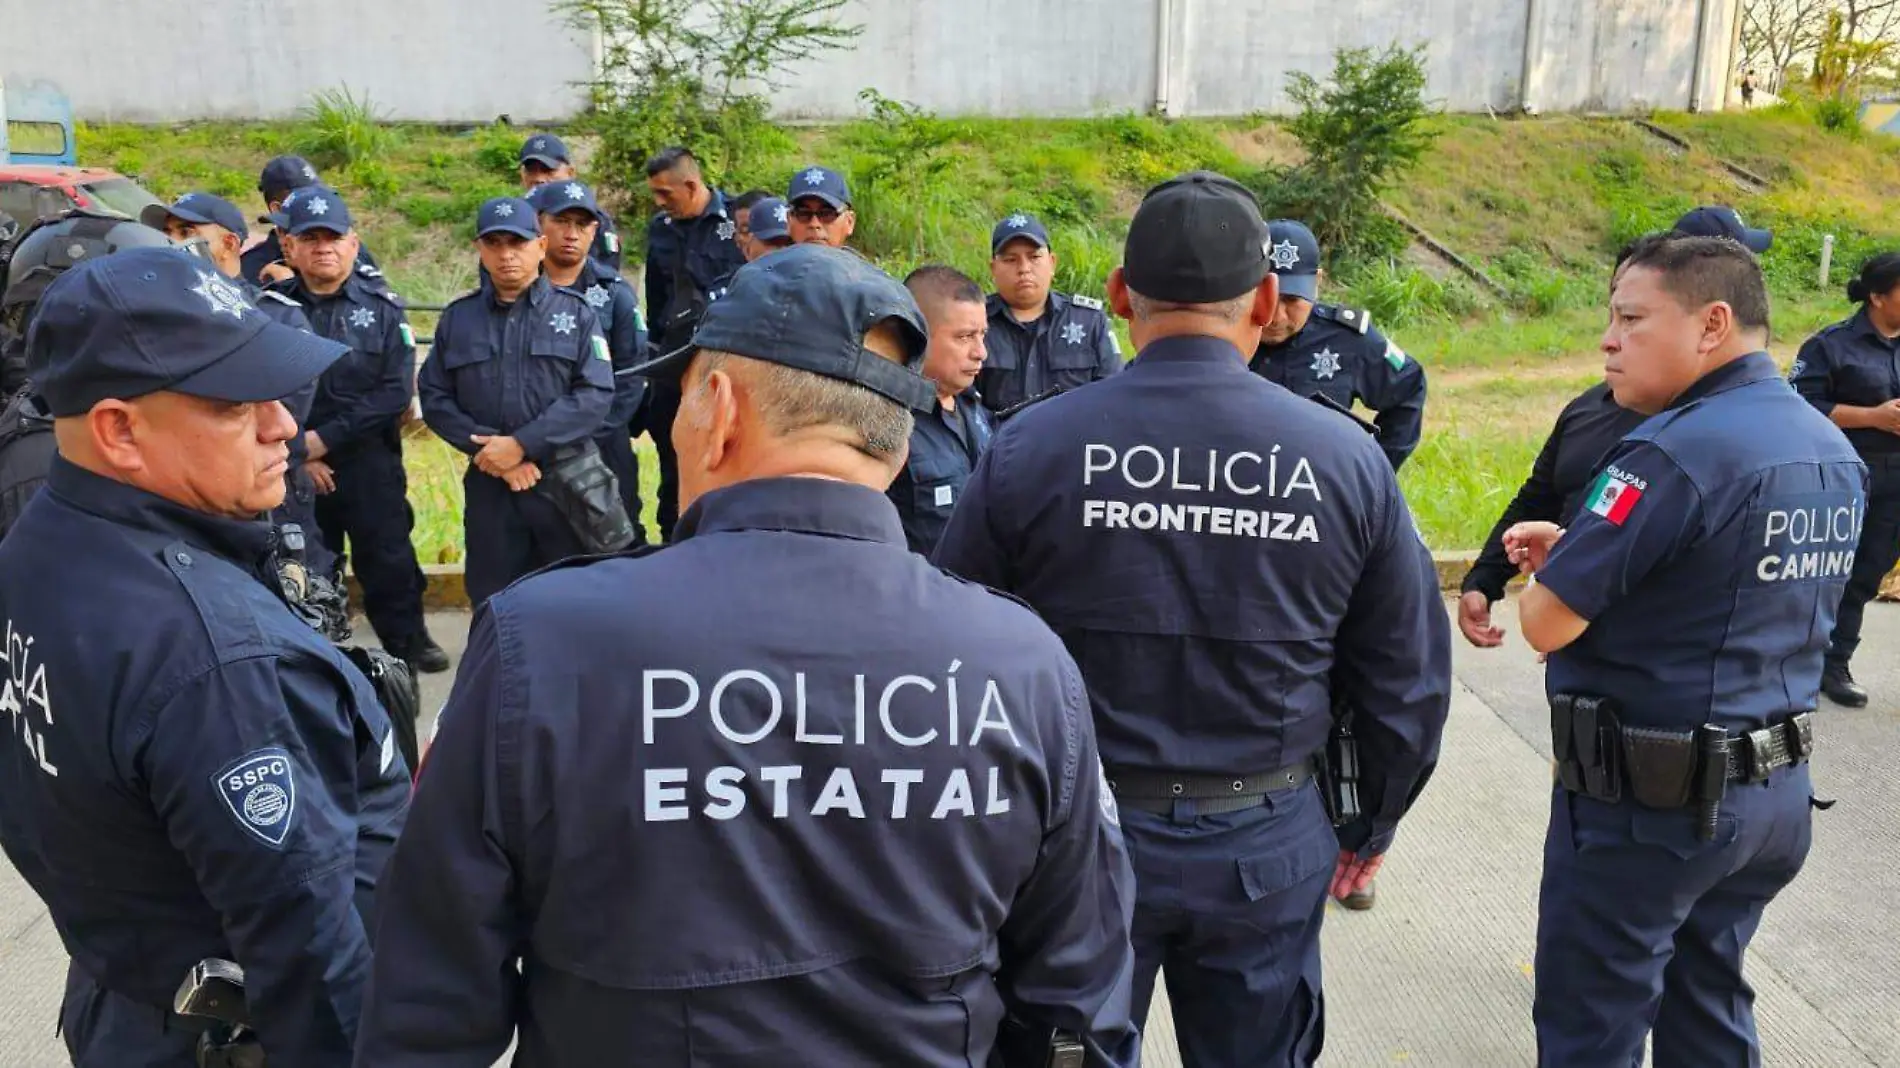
x=212 y=996
x=1020 y=1045
x=1338 y=769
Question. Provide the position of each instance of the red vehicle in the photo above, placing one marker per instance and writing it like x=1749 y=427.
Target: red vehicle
x=34 y=191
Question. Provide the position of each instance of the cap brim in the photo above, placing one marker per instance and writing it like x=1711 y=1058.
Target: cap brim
x=1757 y=241
x=316 y=224
x=157 y=215
x=277 y=362
x=516 y=229
x=998 y=246
x=277 y=220
x=1303 y=286
x=550 y=162
x=774 y=234
x=834 y=201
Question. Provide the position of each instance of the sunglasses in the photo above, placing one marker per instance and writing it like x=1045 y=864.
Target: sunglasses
x=826 y=214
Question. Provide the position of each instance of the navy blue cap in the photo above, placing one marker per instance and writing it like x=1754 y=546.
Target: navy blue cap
x=553 y=198
x=1295 y=258
x=821 y=182
x=316 y=207
x=1717 y=220
x=546 y=149
x=1196 y=239
x=143 y=320
x=197 y=209
x=507 y=215
x=809 y=307
x=767 y=220
x=285 y=173
x=1018 y=225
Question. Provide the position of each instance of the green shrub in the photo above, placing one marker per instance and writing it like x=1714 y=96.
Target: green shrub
x=340 y=129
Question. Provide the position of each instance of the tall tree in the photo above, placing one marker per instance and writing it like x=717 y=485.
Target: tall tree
x=1775 y=33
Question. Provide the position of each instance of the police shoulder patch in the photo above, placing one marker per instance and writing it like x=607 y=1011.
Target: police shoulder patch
x=1395 y=356
x=259 y=789
x=1090 y=303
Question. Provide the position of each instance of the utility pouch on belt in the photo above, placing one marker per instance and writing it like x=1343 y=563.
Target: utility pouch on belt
x=1584 y=737
x=1661 y=766
x=584 y=490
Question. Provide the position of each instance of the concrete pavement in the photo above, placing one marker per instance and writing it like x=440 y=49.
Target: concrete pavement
x=1439 y=974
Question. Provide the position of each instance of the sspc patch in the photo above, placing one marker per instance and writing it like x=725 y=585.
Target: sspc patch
x=260 y=791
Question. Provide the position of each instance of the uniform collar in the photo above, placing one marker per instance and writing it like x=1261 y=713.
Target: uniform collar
x=1051 y=307
x=346 y=291
x=1192 y=349
x=1864 y=325
x=246 y=542
x=1753 y=367
x=806 y=505
x=536 y=292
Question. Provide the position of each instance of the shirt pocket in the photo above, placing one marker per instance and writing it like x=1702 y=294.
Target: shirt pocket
x=1862 y=384
x=1071 y=363
x=937 y=482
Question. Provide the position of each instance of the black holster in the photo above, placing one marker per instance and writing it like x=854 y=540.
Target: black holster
x=1021 y=1045
x=584 y=490
x=212 y=998
x=1338 y=770
x=1585 y=738
x=396 y=688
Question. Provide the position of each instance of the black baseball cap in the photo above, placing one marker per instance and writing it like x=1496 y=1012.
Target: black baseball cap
x=144 y=320
x=1719 y=220
x=546 y=149
x=1196 y=239
x=316 y=207
x=809 y=307
x=285 y=173
x=197 y=209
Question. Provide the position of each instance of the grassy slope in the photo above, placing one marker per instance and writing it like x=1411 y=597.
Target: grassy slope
x=1541 y=205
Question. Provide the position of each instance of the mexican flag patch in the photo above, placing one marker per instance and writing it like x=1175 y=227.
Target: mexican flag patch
x=1395 y=356
x=600 y=348
x=408 y=335
x=1614 y=495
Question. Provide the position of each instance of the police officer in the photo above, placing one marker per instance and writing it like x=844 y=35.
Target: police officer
x=264 y=262
x=852 y=872
x=768 y=229
x=1319 y=349
x=1850 y=372
x=46 y=250
x=946 y=439
x=570 y=218
x=545 y=159
x=193 y=772
x=1683 y=612
x=355 y=422
x=519 y=369
x=821 y=211
x=1225 y=560
x=218 y=227
x=691 y=254
x=1041 y=342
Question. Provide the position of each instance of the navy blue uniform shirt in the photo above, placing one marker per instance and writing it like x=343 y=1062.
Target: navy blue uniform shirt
x=1219 y=555
x=361 y=399
x=1850 y=363
x=703 y=248
x=1586 y=430
x=537 y=369
x=944 y=447
x=618 y=310
x=1709 y=557
x=803 y=800
x=1070 y=345
x=1340 y=354
x=192 y=771
x=252 y=262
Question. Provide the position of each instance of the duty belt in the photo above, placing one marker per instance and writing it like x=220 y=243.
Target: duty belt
x=1157 y=791
x=1756 y=753
x=1597 y=755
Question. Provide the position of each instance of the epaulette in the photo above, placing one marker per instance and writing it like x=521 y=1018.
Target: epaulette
x=1356 y=319
x=1081 y=301
x=364 y=270
x=272 y=294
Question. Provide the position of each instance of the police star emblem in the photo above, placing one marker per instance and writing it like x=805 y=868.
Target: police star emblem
x=1016 y=221
x=726 y=230
x=1285 y=256
x=362 y=317
x=563 y=323
x=814 y=177
x=318 y=206
x=1073 y=333
x=1325 y=364
x=220 y=295
x=504 y=210
x=309 y=172
x=781 y=213
x=575 y=192
x=596 y=296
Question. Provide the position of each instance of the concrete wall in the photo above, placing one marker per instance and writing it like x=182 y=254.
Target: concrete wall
x=474 y=59
x=146 y=60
